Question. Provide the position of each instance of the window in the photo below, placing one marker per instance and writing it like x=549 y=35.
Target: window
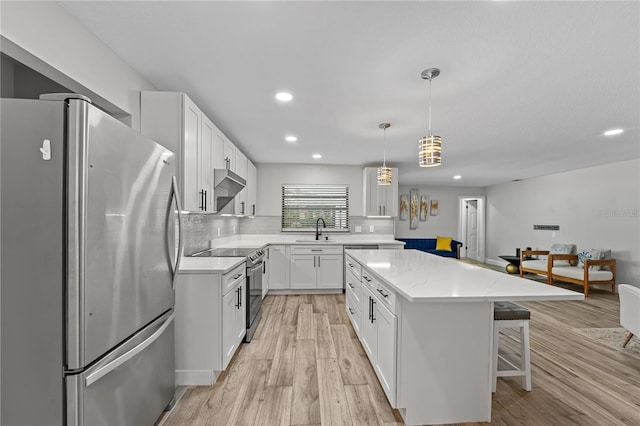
x=302 y=205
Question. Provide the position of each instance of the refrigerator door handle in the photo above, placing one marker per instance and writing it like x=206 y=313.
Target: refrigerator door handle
x=103 y=371
x=175 y=268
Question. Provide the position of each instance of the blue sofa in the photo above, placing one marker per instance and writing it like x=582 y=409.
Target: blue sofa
x=429 y=245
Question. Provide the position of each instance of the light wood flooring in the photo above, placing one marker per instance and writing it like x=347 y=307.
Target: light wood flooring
x=305 y=366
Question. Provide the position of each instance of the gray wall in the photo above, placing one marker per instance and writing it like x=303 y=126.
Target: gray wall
x=44 y=37
x=272 y=176
x=445 y=224
x=597 y=207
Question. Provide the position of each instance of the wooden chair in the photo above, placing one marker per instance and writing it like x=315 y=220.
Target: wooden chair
x=534 y=266
x=582 y=276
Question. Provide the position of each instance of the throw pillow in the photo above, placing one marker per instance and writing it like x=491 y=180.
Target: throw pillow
x=444 y=243
x=588 y=254
x=562 y=249
x=605 y=254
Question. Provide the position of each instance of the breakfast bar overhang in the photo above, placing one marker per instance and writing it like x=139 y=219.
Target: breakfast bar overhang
x=443 y=345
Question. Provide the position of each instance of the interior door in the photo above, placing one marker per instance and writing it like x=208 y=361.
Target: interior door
x=471 y=239
x=121 y=232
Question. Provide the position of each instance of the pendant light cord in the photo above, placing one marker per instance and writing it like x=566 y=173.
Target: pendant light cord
x=430 y=133
x=384 y=147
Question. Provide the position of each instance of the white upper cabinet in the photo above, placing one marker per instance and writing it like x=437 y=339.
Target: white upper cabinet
x=379 y=200
x=176 y=122
x=252 y=188
x=240 y=200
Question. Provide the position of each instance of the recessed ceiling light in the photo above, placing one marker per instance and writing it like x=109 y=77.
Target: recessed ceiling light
x=613 y=132
x=457 y=177
x=317 y=156
x=291 y=139
x=284 y=96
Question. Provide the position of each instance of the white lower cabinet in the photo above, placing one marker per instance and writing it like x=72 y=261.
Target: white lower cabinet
x=316 y=267
x=210 y=323
x=234 y=324
x=379 y=331
x=278 y=267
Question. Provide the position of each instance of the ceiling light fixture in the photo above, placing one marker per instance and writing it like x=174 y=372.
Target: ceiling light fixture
x=457 y=177
x=284 y=96
x=291 y=139
x=430 y=146
x=613 y=132
x=317 y=156
x=384 y=172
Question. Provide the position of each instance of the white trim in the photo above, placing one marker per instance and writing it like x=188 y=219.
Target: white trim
x=462 y=224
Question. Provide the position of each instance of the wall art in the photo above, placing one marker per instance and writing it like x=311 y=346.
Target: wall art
x=413 y=209
x=424 y=201
x=433 y=211
x=404 y=206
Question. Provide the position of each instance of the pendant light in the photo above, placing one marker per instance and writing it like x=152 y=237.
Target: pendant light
x=430 y=146
x=384 y=172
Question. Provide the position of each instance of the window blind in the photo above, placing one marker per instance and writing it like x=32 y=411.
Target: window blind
x=302 y=205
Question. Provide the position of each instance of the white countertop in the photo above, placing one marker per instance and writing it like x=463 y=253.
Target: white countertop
x=262 y=240
x=192 y=265
x=207 y=265
x=424 y=277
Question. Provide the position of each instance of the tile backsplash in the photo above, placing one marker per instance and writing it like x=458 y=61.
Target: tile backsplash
x=199 y=229
x=271 y=225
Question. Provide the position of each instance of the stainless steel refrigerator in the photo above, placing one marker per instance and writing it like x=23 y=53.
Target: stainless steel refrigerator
x=89 y=259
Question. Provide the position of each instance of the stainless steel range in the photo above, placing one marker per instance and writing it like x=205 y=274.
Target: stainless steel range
x=255 y=264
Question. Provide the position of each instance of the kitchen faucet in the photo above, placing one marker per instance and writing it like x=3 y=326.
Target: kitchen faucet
x=324 y=225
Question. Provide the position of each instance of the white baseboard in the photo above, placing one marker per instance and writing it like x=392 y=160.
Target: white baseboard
x=496 y=262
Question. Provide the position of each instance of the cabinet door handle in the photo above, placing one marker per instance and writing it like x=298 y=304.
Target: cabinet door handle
x=373 y=317
x=241 y=207
x=382 y=293
x=370 y=309
x=204 y=207
x=350 y=310
x=314 y=261
x=240 y=298
x=319 y=261
x=254 y=209
x=350 y=285
x=384 y=210
x=237 y=298
x=201 y=192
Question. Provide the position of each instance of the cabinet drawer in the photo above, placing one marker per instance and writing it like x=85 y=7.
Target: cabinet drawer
x=353 y=311
x=386 y=296
x=353 y=286
x=353 y=266
x=317 y=249
x=367 y=280
x=231 y=278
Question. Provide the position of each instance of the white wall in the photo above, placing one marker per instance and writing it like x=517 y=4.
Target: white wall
x=272 y=176
x=43 y=36
x=597 y=207
x=445 y=224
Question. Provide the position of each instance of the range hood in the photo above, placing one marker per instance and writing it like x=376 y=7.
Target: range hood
x=226 y=185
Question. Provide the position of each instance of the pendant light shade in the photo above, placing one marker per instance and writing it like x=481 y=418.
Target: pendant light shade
x=384 y=172
x=430 y=153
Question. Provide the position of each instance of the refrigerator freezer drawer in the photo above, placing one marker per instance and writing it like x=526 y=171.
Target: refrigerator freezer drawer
x=130 y=386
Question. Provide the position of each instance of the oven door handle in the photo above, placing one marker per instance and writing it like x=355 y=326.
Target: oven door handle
x=254 y=268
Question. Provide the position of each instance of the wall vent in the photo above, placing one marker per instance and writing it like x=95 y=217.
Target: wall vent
x=546 y=227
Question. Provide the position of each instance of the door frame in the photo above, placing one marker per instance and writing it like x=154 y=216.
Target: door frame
x=462 y=224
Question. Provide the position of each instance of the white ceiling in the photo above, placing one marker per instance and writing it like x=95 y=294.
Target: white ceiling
x=526 y=88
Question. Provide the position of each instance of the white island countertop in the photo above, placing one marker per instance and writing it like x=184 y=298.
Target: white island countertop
x=424 y=277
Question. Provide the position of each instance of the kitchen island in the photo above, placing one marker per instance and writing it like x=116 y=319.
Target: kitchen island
x=428 y=326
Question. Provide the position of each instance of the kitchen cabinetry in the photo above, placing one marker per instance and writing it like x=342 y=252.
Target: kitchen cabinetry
x=378 y=331
x=379 y=200
x=229 y=151
x=316 y=267
x=233 y=320
x=278 y=267
x=241 y=208
x=173 y=120
x=210 y=323
x=252 y=188
x=353 y=290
